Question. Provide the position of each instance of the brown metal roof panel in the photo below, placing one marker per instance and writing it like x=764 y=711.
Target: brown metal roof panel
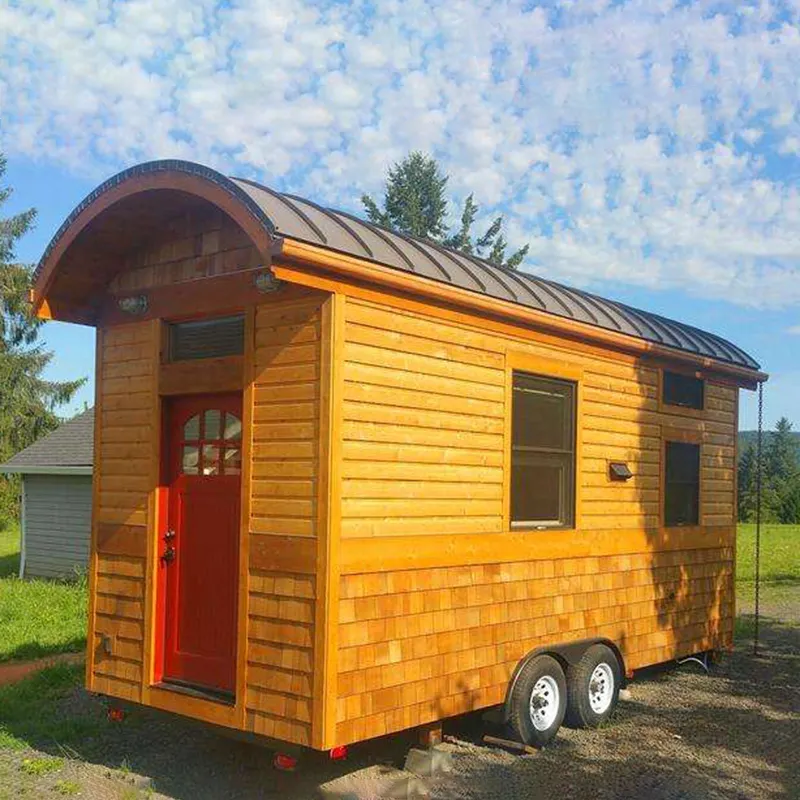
x=287 y=217
x=382 y=243
x=338 y=231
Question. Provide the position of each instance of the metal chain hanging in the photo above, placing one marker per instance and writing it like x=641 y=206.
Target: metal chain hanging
x=759 y=471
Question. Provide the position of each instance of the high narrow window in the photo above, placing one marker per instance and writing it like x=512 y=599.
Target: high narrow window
x=683 y=390
x=206 y=338
x=681 y=484
x=542 y=452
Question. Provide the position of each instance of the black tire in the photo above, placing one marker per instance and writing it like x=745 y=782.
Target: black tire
x=582 y=710
x=543 y=676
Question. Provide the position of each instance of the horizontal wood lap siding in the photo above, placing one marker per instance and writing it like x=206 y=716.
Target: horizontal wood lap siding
x=127 y=395
x=284 y=475
x=285 y=418
x=424 y=443
x=422 y=428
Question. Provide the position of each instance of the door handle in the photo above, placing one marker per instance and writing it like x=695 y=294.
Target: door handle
x=168 y=555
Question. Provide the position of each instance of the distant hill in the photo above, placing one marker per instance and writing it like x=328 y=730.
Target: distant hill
x=748 y=437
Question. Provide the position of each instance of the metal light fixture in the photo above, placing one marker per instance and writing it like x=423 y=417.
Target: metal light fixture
x=134 y=304
x=266 y=282
x=619 y=471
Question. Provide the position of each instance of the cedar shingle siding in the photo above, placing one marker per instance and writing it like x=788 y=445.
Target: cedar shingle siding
x=58 y=513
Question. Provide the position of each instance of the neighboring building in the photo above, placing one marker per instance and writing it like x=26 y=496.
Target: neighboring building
x=56 y=499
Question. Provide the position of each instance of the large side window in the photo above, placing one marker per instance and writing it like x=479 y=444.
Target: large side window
x=681 y=484
x=542 y=452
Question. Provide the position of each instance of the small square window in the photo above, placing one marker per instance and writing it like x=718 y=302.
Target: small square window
x=683 y=390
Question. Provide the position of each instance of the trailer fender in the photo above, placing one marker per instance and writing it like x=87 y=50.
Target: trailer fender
x=567 y=654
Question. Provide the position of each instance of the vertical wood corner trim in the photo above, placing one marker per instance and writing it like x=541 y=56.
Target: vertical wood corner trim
x=153 y=499
x=98 y=416
x=244 y=528
x=323 y=732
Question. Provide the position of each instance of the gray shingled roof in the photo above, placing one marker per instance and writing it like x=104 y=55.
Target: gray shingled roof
x=70 y=447
x=288 y=216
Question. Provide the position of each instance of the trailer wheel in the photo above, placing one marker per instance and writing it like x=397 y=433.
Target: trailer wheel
x=538 y=701
x=593 y=687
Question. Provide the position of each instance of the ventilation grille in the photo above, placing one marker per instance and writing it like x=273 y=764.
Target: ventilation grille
x=206 y=338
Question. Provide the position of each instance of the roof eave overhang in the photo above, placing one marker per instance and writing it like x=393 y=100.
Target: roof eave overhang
x=181 y=176
x=13 y=469
x=295 y=253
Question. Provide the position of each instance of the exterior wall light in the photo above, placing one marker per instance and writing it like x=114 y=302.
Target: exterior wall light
x=619 y=471
x=266 y=282
x=135 y=304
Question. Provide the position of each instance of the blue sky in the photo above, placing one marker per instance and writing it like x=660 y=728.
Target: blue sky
x=648 y=150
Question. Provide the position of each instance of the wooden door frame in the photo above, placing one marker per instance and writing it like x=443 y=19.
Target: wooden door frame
x=167 y=475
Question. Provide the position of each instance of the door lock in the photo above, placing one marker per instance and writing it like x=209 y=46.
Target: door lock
x=169 y=535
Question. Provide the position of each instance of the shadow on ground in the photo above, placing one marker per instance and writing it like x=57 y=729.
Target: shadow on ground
x=684 y=735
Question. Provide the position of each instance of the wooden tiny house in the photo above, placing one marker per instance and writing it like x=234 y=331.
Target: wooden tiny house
x=346 y=481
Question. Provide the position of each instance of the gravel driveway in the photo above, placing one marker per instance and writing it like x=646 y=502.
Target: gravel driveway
x=735 y=734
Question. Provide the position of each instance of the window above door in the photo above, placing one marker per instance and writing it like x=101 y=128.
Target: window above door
x=206 y=338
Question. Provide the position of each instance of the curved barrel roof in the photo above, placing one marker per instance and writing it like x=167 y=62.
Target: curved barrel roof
x=289 y=216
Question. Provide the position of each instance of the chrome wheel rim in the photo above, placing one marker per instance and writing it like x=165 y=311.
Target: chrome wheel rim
x=544 y=703
x=601 y=688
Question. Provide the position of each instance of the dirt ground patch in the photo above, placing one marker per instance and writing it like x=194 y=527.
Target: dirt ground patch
x=683 y=735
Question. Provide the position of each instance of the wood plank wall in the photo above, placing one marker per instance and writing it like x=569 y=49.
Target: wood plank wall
x=425 y=431
x=126 y=396
x=194 y=245
x=283 y=519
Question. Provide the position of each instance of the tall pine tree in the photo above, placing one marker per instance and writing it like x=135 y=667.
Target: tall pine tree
x=782 y=474
x=415 y=203
x=27 y=400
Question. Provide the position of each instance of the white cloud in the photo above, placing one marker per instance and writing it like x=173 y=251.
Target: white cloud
x=649 y=142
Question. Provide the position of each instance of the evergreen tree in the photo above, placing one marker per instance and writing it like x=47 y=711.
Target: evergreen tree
x=782 y=473
x=414 y=203
x=746 y=495
x=27 y=400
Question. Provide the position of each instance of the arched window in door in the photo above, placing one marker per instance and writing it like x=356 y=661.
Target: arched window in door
x=212 y=444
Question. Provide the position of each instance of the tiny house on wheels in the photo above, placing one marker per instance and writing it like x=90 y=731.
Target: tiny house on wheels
x=348 y=482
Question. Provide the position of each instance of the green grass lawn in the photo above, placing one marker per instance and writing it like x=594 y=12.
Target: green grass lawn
x=780 y=554
x=38 y=617
x=780 y=562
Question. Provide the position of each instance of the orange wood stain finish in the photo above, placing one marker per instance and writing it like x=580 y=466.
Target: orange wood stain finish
x=429 y=629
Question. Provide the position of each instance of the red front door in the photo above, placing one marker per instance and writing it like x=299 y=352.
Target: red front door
x=199 y=552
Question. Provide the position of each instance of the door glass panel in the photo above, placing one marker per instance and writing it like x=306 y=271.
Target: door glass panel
x=233 y=461
x=211 y=459
x=191 y=430
x=233 y=427
x=213 y=420
x=189 y=465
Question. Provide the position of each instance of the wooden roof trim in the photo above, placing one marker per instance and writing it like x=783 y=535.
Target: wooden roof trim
x=353 y=268
x=205 y=184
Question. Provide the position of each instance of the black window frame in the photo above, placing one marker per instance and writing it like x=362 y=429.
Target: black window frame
x=234 y=335
x=672 y=516
x=565 y=457
x=680 y=390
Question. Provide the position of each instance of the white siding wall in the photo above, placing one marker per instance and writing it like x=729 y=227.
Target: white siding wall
x=58 y=513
